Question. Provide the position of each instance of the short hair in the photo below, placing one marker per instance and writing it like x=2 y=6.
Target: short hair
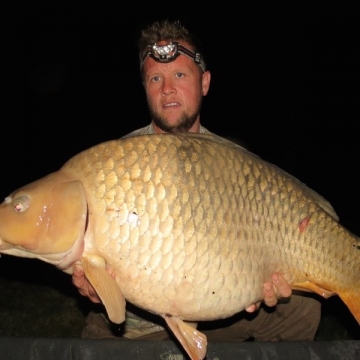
x=169 y=31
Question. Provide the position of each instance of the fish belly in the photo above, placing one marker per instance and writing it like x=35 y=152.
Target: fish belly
x=193 y=227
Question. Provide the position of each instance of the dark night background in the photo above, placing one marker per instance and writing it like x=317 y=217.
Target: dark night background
x=282 y=85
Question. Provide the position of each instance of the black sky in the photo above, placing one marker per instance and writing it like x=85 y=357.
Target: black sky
x=282 y=85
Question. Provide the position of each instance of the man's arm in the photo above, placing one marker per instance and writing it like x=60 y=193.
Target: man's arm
x=274 y=289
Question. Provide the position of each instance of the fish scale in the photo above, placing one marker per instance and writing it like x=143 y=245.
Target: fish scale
x=191 y=224
x=165 y=221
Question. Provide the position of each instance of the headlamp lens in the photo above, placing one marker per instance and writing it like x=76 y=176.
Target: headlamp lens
x=165 y=52
x=169 y=52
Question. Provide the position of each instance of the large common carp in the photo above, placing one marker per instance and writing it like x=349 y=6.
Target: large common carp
x=187 y=223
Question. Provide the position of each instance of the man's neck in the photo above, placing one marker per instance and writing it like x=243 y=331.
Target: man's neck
x=194 y=129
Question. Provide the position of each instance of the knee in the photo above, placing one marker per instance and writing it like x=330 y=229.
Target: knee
x=306 y=319
x=296 y=320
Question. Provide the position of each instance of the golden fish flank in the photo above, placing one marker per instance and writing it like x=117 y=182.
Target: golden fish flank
x=186 y=222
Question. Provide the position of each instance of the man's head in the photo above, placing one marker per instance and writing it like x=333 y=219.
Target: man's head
x=174 y=76
x=173 y=35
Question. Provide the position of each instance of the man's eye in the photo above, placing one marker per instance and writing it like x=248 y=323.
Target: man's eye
x=179 y=75
x=155 y=79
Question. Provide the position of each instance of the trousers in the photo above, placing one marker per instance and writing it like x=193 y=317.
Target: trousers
x=297 y=319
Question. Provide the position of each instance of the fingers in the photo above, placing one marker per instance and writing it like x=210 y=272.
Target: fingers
x=283 y=289
x=270 y=298
x=273 y=290
x=77 y=275
x=277 y=288
x=253 y=307
x=81 y=282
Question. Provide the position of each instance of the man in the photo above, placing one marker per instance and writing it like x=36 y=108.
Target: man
x=175 y=80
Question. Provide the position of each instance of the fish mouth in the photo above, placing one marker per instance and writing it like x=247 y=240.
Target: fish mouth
x=63 y=261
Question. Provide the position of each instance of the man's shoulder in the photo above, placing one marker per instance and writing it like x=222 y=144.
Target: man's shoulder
x=221 y=139
x=204 y=130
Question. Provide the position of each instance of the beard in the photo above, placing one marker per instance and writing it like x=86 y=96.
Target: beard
x=183 y=124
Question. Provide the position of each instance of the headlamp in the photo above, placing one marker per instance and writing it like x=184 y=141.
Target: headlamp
x=169 y=52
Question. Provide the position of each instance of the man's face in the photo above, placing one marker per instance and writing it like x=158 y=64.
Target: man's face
x=174 y=93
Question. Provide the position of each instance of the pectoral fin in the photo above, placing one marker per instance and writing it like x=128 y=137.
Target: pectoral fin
x=193 y=341
x=105 y=286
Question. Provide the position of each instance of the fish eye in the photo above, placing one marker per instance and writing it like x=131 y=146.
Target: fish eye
x=21 y=203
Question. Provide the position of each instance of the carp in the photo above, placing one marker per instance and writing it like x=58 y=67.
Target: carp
x=187 y=223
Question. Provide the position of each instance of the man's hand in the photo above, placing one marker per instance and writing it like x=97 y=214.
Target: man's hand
x=83 y=285
x=274 y=289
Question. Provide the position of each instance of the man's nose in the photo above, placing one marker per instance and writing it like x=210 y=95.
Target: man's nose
x=168 y=87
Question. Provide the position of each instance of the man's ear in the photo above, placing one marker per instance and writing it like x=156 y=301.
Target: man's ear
x=205 y=82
